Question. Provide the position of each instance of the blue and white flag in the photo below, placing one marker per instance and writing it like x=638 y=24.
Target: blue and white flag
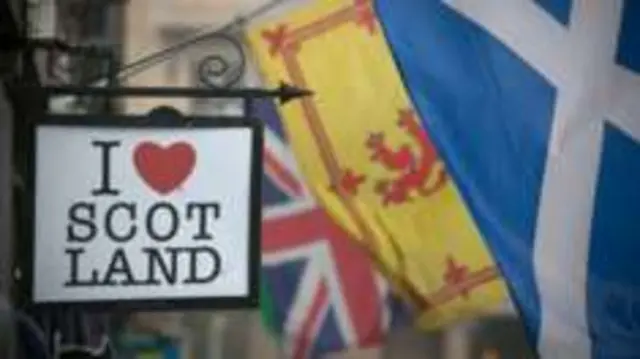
x=535 y=107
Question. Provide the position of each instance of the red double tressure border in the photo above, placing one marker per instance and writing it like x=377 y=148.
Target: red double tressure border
x=286 y=42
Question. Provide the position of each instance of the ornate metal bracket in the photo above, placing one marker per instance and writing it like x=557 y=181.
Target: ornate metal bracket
x=225 y=65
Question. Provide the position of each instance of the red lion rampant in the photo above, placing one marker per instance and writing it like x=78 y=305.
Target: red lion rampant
x=413 y=169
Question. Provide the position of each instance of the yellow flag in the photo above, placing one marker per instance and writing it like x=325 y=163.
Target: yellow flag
x=367 y=159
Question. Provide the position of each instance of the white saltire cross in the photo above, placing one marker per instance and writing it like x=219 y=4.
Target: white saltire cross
x=579 y=60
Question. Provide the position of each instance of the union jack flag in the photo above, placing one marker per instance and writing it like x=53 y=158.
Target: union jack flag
x=325 y=292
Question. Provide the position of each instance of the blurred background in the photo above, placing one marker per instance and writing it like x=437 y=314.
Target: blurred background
x=200 y=43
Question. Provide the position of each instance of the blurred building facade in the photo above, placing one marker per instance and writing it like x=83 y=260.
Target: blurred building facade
x=27 y=58
x=13 y=105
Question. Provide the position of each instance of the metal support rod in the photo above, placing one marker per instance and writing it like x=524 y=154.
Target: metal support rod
x=112 y=70
x=7 y=323
x=285 y=92
x=247 y=107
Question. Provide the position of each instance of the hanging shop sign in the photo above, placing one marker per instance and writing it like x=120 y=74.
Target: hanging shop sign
x=153 y=211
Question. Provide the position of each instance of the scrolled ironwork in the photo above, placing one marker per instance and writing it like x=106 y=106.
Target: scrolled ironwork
x=226 y=63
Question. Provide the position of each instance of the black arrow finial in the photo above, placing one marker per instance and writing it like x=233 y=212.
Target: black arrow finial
x=288 y=92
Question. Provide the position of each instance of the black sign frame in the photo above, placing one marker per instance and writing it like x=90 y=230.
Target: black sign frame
x=158 y=118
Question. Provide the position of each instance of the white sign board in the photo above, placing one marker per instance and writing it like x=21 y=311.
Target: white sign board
x=146 y=213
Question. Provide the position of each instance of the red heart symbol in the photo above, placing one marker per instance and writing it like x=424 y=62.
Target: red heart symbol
x=164 y=169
